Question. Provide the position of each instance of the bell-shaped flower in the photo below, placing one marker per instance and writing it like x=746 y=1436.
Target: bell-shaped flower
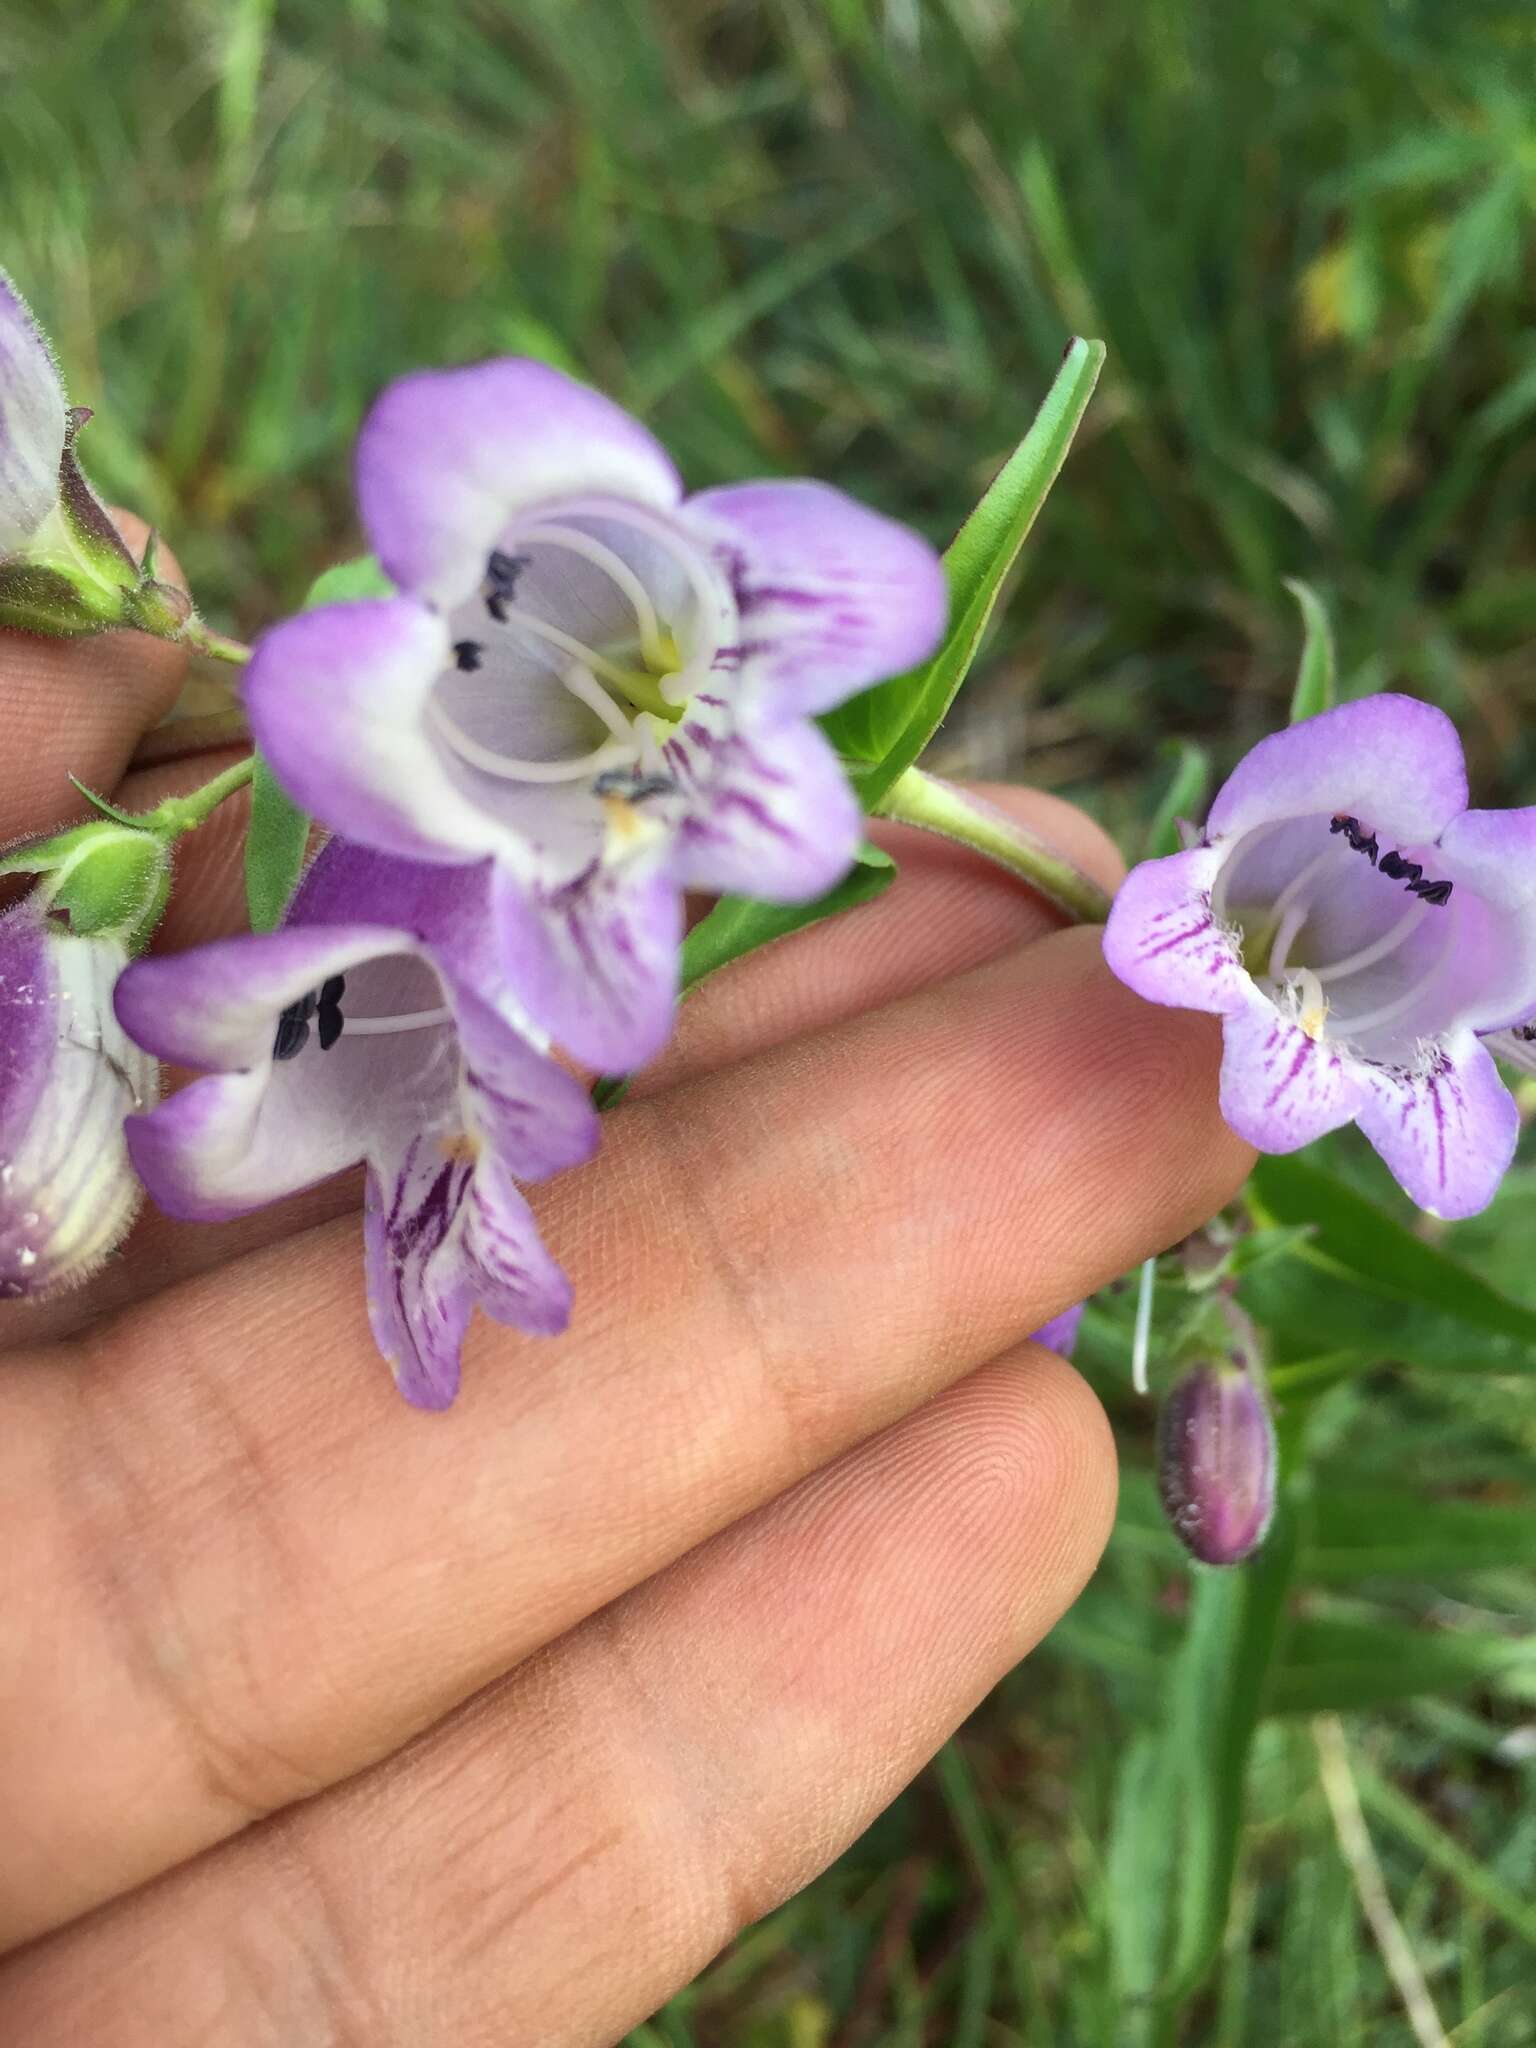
x=68 y=1077
x=64 y=567
x=1216 y=1462
x=604 y=687
x=363 y=1030
x=1356 y=928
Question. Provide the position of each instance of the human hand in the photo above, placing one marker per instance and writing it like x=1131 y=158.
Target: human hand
x=325 y=1720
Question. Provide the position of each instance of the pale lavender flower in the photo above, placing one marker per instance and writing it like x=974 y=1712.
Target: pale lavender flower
x=68 y=1076
x=363 y=1030
x=1216 y=1462
x=604 y=688
x=1356 y=928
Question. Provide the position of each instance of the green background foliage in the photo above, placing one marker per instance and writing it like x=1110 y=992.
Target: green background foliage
x=853 y=237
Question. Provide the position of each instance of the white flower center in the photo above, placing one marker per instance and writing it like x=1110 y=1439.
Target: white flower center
x=1404 y=959
x=630 y=644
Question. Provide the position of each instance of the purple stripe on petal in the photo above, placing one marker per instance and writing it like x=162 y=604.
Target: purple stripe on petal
x=1163 y=941
x=1447 y=1128
x=1281 y=1089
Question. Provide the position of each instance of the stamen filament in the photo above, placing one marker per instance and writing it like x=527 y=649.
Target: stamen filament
x=1353 y=963
x=1351 y=1027
x=599 y=664
x=411 y=1020
x=652 y=646
x=612 y=754
x=706 y=591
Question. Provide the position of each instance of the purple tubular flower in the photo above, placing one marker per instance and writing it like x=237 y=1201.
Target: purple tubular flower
x=1216 y=1463
x=362 y=1030
x=67 y=1078
x=602 y=687
x=1060 y=1333
x=1356 y=928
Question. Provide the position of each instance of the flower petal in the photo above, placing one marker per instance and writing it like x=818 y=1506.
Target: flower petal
x=1448 y=1130
x=1163 y=941
x=1494 y=852
x=595 y=963
x=1281 y=1089
x=421 y=1291
x=1392 y=761
x=253 y=1131
x=770 y=814
x=831 y=596
x=1060 y=1333
x=446 y=456
x=517 y=1280
x=337 y=699
x=538 y=1118
x=33 y=422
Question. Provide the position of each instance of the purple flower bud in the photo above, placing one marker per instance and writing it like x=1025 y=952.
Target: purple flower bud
x=1216 y=1463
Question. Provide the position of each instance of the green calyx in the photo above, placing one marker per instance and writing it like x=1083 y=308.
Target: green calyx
x=105 y=880
x=110 y=878
x=76 y=574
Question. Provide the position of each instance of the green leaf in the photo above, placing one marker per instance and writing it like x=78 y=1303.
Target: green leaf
x=274 y=850
x=361 y=577
x=1372 y=1531
x=1360 y=1259
x=1335 y=1666
x=738 y=925
x=1317 y=677
x=1183 y=798
x=279 y=831
x=882 y=732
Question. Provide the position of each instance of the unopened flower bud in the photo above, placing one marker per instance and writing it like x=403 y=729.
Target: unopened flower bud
x=69 y=1075
x=1216 y=1462
x=64 y=567
x=103 y=879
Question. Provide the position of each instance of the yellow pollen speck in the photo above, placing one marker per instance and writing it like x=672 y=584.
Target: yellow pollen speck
x=627 y=823
x=1311 y=1004
x=463 y=1148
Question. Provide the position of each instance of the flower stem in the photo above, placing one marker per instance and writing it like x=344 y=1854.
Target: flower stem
x=180 y=814
x=217 y=646
x=916 y=798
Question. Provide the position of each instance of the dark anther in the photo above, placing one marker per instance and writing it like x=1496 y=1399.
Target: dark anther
x=502 y=572
x=1431 y=892
x=1360 y=840
x=328 y=1017
x=1395 y=868
x=468 y=655
x=293 y=1029
x=633 y=786
x=1527 y=1032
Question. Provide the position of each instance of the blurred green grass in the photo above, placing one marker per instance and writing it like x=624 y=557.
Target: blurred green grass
x=852 y=237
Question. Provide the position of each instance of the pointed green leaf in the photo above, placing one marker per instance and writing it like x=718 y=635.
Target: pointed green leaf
x=882 y=732
x=1317 y=677
x=1371 y=1281
x=1183 y=798
x=274 y=850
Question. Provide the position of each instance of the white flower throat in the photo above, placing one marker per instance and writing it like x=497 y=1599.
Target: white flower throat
x=1304 y=992
x=636 y=686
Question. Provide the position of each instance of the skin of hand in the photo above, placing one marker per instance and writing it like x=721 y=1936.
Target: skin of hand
x=323 y=1721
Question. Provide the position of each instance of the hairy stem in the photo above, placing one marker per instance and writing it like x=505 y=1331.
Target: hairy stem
x=217 y=646
x=180 y=814
x=916 y=798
